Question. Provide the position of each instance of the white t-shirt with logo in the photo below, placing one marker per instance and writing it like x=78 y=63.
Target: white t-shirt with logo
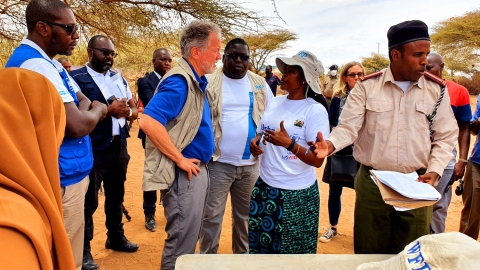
x=279 y=167
x=238 y=127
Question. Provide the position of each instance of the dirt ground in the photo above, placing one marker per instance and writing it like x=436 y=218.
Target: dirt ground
x=151 y=243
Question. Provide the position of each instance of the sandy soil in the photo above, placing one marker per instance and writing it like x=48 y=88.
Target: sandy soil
x=151 y=243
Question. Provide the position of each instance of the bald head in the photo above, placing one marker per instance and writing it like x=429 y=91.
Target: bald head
x=65 y=63
x=435 y=64
x=93 y=42
x=162 y=61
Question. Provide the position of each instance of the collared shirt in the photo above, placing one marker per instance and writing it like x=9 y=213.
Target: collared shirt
x=158 y=75
x=167 y=104
x=390 y=129
x=48 y=70
x=99 y=79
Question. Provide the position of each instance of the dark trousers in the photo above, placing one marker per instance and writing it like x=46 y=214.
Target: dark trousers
x=149 y=197
x=334 y=203
x=109 y=166
x=378 y=227
x=149 y=201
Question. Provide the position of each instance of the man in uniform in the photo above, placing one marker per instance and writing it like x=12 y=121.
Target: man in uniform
x=179 y=143
x=162 y=63
x=109 y=143
x=330 y=81
x=238 y=99
x=52 y=30
x=385 y=116
x=460 y=102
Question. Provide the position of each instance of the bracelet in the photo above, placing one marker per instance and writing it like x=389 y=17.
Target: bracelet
x=292 y=144
x=298 y=149
x=463 y=160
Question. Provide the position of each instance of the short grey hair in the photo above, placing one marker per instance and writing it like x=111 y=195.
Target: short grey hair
x=196 y=34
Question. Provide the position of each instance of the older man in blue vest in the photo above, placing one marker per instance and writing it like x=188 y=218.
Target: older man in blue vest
x=180 y=142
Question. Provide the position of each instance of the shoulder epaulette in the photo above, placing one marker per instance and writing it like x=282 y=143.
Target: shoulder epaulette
x=371 y=75
x=434 y=78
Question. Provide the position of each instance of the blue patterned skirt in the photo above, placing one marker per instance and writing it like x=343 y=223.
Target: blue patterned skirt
x=283 y=221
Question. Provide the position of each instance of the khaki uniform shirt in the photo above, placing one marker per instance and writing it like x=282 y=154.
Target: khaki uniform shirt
x=390 y=129
x=328 y=87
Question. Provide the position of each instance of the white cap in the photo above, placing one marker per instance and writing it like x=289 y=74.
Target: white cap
x=311 y=66
x=451 y=250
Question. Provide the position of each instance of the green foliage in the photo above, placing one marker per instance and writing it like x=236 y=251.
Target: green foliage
x=263 y=44
x=375 y=63
x=458 y=40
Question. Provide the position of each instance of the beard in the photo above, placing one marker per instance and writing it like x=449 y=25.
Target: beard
x=207 y=68
x=100 y=65
x=57 y=46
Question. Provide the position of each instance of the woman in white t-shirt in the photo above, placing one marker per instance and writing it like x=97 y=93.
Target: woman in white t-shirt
x=285 y=202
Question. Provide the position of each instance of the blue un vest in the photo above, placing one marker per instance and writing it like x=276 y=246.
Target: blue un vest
x=76 y=159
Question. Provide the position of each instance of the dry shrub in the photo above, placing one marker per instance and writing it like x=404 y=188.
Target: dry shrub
x=472 y=83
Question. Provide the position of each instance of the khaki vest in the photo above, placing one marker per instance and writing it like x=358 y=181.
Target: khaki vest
x=159 y=170
x=214 y=95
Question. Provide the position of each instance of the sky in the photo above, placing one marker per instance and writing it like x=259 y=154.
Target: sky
x=339 y=31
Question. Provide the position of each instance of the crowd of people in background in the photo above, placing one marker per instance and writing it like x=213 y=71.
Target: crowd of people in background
x=209 y=133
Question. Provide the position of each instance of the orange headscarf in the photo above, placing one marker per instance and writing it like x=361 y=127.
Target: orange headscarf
x=32 y=126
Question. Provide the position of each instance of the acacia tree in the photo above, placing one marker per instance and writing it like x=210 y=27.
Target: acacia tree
x=125 y=20
x=458 y=40
x=375 y=62
x=263 y=44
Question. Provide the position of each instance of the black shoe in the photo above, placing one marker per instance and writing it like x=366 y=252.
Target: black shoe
x=88 y=263
x=121 y=244
x=150 y=222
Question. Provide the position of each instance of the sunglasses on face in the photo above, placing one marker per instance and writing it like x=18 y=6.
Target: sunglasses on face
x=71 y=28
x=106 y=52
x=353 y=75
x=234 y=56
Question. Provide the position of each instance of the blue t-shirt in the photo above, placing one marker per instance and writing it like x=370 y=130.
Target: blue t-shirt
x=167 y=104
x=475 y=157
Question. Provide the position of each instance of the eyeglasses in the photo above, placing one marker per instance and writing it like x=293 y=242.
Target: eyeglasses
x=106 y=52
x=234 y=57
x=353 y=75
x=71 y=28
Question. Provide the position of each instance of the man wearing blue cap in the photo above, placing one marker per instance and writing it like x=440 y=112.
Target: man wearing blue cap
x=386 y=117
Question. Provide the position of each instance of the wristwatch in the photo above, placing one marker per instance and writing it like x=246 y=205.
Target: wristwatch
x=131 y=112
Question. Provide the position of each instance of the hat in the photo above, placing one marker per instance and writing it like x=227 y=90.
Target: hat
x=311 y=66
x=451 y=250
x=406 y=32
x=333 y=67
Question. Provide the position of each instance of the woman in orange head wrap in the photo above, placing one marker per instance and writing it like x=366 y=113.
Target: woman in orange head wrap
x=32 y=125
